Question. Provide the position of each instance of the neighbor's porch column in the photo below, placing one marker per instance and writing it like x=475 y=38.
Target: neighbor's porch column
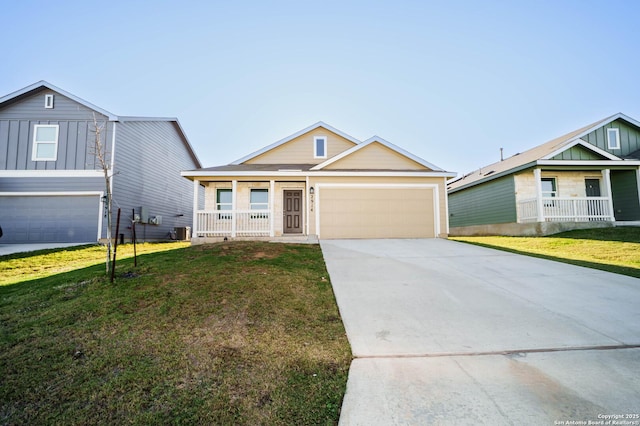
x=272 y=208
x=539 y=203
x=234 y=204
x=606 y=177
x=194 y=225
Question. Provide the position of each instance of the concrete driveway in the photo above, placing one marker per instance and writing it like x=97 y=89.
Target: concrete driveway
x=449 y=333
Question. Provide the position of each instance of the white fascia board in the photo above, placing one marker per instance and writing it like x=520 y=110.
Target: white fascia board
x=585 y=145
x=43 y=83
x=134 y=118
x=603 y=163
x=607 y=121
x=383 y=142
x=293 y=136
x=50 y=173
x=204 y=175
x=52 y=194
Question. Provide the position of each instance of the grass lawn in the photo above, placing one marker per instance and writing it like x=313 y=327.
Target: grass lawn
x=609 y=249
x=230 y=333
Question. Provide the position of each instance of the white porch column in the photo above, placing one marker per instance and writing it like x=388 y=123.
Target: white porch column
x=540 y=204
x=234 y=204
x=194 y=225
x=272 y=208
x=606 y=177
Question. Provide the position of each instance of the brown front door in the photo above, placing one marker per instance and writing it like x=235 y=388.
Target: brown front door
x=292 y=212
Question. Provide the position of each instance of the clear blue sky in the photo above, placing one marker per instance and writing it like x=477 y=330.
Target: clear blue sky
x=449 y=81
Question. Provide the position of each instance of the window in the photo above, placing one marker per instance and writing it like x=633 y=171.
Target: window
x=224 y=201
x=613 y=138
x=45 y=142
x=549 y=187
x=320 y=147
x=259 y=200
x=48 y=101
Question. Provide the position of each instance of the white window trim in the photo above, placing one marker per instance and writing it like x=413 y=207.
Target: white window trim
x=315 y=144
x=554 y=180
x=263 y=206
x=617 y=133
x=48 y=101
x=34 y=153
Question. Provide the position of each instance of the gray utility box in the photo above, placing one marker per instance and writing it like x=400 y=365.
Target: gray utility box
x=183 y=233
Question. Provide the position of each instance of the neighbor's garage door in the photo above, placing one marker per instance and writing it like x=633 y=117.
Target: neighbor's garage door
x=370 y=212
x=49 y=219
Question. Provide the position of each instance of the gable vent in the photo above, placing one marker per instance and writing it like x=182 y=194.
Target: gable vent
x=48 y=101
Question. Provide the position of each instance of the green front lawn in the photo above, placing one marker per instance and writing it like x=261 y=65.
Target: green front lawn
x=231 y=333
x=608 y=249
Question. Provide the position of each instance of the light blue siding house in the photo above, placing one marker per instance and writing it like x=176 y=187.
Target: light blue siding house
x=587 y=178
x=51 y=183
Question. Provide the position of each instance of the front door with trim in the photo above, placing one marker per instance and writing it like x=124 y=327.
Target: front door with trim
x=292 y=212
x=592 y=187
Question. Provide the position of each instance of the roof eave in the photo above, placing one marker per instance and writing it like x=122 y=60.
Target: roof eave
x=43 y=83
x=293 y=136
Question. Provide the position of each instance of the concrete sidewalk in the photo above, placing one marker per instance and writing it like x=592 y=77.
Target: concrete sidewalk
x=449 y=333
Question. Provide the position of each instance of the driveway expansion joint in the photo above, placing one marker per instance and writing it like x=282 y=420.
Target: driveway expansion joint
x=508 y=352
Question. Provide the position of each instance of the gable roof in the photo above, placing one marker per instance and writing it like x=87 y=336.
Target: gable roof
x=26 y=91
x=381 y=141
x=293 y=136
x=545 y=151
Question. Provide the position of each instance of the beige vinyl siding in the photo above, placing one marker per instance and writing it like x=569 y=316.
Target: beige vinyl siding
x=301 y=149
x=375 y=157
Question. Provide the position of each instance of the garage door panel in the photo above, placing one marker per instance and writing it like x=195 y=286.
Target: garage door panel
x=377 y=213
x=40 y=219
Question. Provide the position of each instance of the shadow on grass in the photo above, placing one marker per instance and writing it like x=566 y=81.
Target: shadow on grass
x=625 y=234
x=622 y=270
x=27 y=254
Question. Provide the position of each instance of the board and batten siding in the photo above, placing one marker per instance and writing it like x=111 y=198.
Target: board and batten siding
x=149 y=157
x=75 y=138
x=629 y=138
x=489 y=203
x=624 y=186
x=577 y=153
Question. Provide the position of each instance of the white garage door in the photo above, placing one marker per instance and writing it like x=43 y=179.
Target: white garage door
x=49 y=219
x=377 y=212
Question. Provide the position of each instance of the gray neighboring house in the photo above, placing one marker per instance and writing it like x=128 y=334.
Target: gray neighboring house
x=51 y=185
x=584 y=179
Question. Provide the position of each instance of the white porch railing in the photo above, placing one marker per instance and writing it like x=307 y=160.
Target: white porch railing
x=233 y=223
x=573 y=209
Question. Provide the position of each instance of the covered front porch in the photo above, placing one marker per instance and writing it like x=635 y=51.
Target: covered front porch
x=256 y=209
x=576 y=195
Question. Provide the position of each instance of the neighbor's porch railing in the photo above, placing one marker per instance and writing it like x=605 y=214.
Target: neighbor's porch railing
x=233 y=223
x=574 y=209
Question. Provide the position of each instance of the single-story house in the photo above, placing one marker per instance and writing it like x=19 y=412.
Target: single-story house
x=587 y=178
x=321 y=182
x=52 y=183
